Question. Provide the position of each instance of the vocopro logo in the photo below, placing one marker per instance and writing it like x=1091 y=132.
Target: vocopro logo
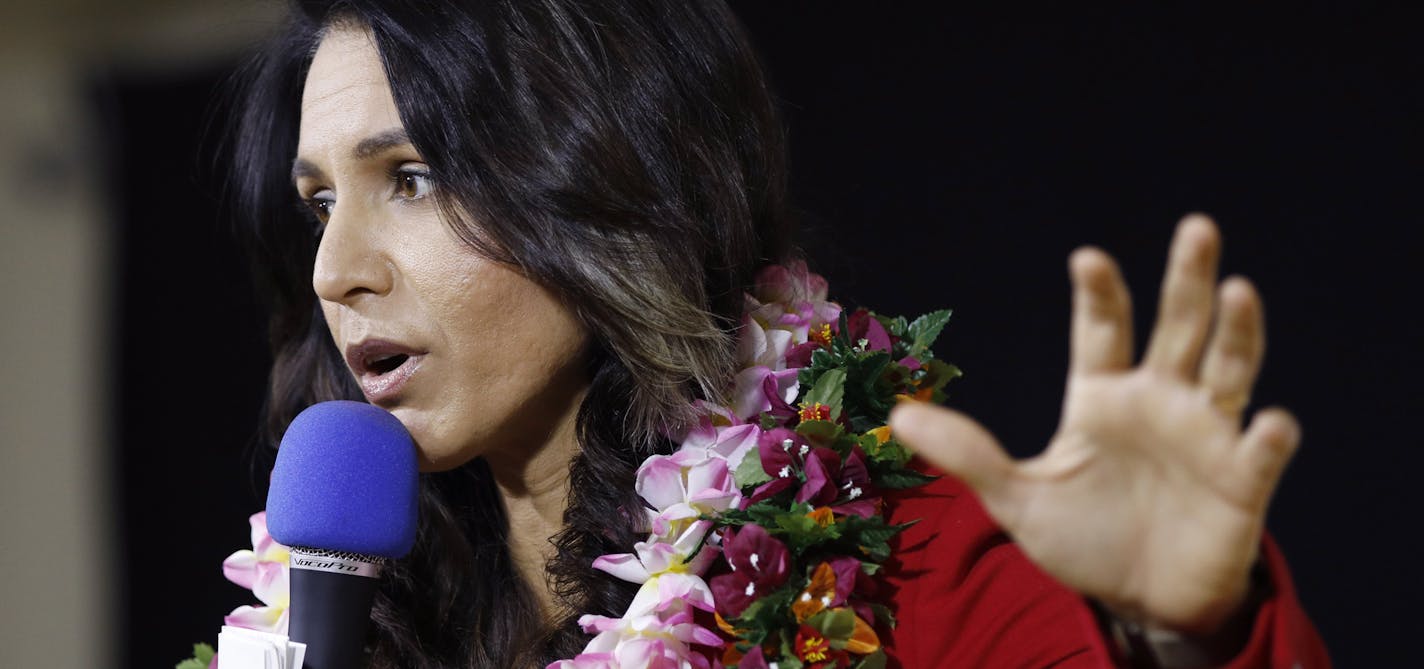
x=335 y=563
x=324 y=564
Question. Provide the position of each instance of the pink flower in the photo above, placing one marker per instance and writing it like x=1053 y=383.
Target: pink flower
x=798 y=318
x=758 y=345
x=264 y=570
x=642 y=642
x=751 y=394
x=792 y=282
x=686 y=485
x=786 y=298
x=758 y=563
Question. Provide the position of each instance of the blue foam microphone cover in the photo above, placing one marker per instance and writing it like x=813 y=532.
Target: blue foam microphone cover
x=345 y=480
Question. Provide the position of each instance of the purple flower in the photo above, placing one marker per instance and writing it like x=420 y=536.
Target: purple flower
x=799 y=356
x=858 y=497
x=754 y=659
x=864 y=326
x=823 y=470
x=759 y=566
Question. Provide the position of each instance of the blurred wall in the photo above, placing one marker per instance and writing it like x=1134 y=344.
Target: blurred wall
x=57 y=544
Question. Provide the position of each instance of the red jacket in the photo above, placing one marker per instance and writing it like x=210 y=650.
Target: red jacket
x=966 y=596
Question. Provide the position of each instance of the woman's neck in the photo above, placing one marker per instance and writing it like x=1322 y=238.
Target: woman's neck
x=534 y=485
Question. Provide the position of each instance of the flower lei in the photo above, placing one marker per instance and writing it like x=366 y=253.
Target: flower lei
x=785 y=484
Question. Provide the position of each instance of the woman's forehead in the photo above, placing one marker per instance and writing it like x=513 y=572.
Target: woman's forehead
x=346 y=96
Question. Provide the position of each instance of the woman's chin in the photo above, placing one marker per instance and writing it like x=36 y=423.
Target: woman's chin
x=432 y=450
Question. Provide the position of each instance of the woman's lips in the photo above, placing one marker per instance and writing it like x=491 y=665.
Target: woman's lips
x=371 y=361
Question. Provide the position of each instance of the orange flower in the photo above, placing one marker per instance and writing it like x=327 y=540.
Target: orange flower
x=864 y=640
x=822 y=335
x=818 y=593
x=725 y=626
x=823 y=516
x=882 y=434
x=921 y=395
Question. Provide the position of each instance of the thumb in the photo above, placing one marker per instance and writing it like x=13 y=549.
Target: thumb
x=955 y=443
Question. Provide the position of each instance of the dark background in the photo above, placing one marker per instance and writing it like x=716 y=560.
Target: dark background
x=942 y=160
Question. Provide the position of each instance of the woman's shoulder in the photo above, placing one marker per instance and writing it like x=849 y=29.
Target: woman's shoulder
x=965 y=595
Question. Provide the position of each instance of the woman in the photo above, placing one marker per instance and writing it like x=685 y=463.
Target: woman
x=526 y=229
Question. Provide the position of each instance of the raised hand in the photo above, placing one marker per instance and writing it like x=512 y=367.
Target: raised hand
x=1150 y=497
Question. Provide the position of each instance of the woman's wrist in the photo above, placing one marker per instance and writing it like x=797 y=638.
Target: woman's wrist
x=1142 y=645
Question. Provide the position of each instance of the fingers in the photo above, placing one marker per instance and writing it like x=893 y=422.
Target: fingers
x=1102 y=313
x=1238 y=342
x=954 y=443
x=1268 y=444
x=1186 y=304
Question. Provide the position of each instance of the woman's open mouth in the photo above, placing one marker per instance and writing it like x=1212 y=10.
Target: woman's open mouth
x=382 y=368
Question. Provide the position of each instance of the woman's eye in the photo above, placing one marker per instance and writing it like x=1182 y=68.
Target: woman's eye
x=412 y=183
x=321 y=205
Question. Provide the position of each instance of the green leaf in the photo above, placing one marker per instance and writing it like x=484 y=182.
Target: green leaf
x=768 y=421
x=900 y=479
x=891 y=453
x=202 y=657
x=940 y=373
x=884 y=615
x=837 y=624
x=750 y=472
x=874 y=660
x=819 y=432
x=800 y=532
x=897 y=326
x=925 y=330
x=829 y=390
x=788 y=661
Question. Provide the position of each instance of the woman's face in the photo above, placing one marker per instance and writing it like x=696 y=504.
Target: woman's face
x=470 y=355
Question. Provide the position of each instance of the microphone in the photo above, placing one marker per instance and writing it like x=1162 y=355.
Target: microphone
x=343 y=497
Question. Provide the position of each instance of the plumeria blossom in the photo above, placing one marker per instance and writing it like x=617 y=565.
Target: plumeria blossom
x=642 y=642
x=686 y=485
x=760 y=345
x=264 y=571
x=761 y=388
x=790 y=283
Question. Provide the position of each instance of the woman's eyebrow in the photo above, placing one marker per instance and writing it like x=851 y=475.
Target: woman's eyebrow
x=379 y=142
x=366 y=148
x=302 y=167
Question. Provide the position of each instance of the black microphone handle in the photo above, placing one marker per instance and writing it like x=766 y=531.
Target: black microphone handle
x=329 y=613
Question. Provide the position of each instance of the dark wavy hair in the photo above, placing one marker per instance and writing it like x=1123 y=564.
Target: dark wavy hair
x=625 y=154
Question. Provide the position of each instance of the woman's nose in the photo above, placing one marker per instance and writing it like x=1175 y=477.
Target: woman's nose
x=349 y=260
